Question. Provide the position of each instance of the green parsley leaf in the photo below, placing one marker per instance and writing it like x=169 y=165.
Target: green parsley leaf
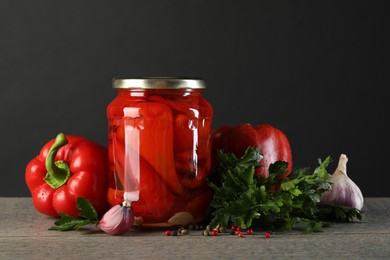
x=86 y=209
x=66 y=223
x=273 y=203
x=337 y=213
x=88 y=215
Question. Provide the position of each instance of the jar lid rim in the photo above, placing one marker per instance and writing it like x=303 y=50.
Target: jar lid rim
x=158 y=83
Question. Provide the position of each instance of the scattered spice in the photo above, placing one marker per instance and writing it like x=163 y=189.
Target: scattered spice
x=208 y=231
x=275 y=203
x=249 y=231
x=180 y=231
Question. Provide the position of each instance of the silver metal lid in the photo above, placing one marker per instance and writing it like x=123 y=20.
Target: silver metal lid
x=159 y=83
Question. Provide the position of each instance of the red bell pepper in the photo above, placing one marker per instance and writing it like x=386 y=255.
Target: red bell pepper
x=156 y=201
x=67 y=168
x=272 y=141
x=155 y=198
x=191 y=173
x=199 y=201
x=156 y=141
x=191 y=136
x=173 y=145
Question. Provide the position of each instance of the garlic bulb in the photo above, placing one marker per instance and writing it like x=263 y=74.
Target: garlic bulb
x=344 y=192
x=118 y=219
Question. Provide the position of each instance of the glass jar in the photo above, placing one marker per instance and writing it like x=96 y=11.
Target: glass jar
x=159 y=149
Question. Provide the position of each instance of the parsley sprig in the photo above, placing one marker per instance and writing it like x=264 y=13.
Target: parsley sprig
x=273 y=203
x=88 y=215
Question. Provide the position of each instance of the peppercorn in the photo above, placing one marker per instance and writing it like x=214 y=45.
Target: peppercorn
x=240 y=234
x=221 y=229
x=249 y=231
x=208 y=228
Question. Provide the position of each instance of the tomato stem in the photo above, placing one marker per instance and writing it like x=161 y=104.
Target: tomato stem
x=58 y=172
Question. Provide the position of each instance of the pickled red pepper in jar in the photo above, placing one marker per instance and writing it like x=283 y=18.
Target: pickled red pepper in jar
x=159 y=145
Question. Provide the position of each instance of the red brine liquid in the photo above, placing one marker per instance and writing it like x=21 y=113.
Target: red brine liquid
x=159 y=144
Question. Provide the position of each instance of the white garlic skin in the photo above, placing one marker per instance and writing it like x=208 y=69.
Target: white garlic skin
x=344 y=192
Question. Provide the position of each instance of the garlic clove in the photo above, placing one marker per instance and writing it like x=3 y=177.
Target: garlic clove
x=181 y=218
x=117 y=220
x=343 y=192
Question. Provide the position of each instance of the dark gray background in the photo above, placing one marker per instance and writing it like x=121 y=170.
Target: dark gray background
x=317 y=70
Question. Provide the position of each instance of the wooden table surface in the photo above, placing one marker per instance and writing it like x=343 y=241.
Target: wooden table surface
x=24 y=234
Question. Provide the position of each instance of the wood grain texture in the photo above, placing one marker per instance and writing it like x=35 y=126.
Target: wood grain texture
x=24 y=235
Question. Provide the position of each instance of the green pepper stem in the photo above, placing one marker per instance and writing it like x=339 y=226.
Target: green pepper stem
x=58 y=172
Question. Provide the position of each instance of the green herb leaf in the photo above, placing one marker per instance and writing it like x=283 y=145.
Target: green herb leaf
x=88 y=215
x=275 y=203
x=339 y=213
x=86 y=209
x=67 y=223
